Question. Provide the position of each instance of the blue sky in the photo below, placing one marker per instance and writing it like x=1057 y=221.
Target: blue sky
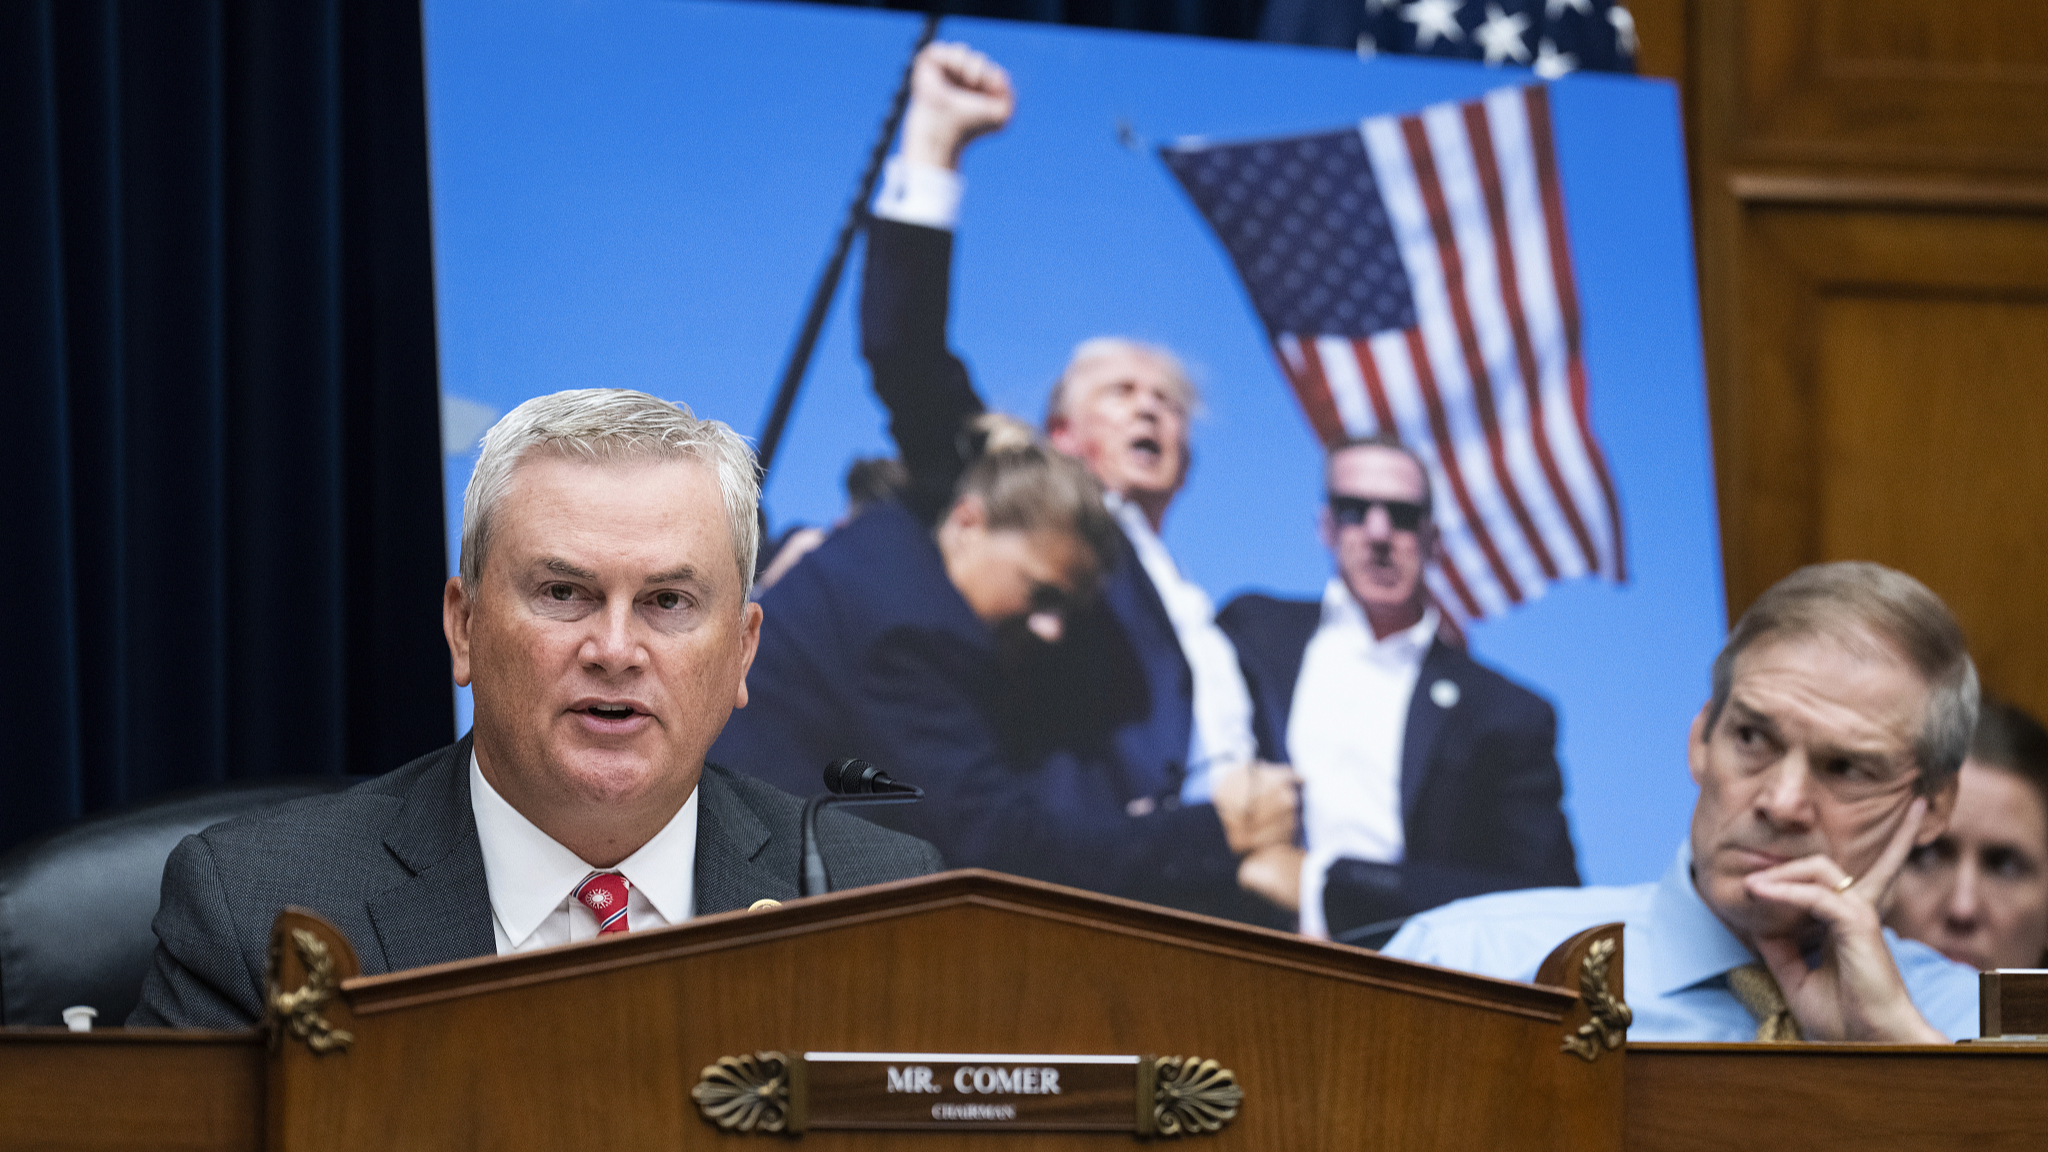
x=641 y=193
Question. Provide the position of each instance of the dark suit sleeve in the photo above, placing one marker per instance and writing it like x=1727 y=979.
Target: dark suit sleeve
x=926 y=388
x=1511 y=829
x=199 y=977
x=1059 y=816
x=921 y=708
x=1534 y=843
x=1069 y=824
x=925 y=709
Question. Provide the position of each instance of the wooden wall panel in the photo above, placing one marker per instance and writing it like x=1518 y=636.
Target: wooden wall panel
x=1870 y=182
x=1948 y=379
x=1661 y=38
x=1893 y=410
x=1891 y=82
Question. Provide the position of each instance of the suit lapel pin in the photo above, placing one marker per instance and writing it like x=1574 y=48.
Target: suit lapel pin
x=1444 y=694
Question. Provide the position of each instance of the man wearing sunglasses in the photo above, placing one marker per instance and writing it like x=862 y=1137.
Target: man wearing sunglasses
x=1426 y=776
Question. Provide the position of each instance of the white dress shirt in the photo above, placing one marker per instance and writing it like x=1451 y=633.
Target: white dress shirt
x=919 y=194
x=533 y=879
x=1222 y=733
x=1344 y=734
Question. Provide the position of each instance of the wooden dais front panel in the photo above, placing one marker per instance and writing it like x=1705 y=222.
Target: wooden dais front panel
x=600 y=1044
x=1837 y=1097
x=119 y=1089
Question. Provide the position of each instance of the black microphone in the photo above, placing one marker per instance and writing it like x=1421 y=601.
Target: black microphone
x=856 y=777
x=851 y=781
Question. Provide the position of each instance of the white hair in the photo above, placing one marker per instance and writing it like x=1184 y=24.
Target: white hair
x=1098 y=347
x=605 y=426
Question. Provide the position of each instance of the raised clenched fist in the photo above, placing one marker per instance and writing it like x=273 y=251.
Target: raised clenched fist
x=956 y=94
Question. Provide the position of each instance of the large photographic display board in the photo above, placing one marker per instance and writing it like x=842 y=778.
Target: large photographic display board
x=641 y=193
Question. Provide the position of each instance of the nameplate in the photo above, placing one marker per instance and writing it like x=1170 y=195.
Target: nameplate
x=770 y=1091
x=963 y=1090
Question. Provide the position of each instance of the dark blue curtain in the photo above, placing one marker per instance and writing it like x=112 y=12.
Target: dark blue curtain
x=222 y=491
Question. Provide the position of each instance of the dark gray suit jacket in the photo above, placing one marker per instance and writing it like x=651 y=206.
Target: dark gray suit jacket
x=396 y=865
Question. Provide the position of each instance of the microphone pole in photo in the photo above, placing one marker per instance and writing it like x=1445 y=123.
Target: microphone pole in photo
x=851 y=781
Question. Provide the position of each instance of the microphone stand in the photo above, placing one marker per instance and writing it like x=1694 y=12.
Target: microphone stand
x=814 y=881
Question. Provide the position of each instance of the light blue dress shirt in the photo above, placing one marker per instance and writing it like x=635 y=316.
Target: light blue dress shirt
x=1675 y=953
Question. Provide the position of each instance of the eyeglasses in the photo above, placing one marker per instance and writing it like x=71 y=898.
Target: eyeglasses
x=1351 y=511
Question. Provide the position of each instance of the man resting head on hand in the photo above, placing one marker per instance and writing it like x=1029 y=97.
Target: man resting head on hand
x=1842 y=707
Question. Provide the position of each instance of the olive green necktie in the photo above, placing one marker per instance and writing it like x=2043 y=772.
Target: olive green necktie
x=1758 y=991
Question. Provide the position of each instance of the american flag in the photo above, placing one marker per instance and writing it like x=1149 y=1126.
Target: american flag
x=1550 y=37
x=1413 y=275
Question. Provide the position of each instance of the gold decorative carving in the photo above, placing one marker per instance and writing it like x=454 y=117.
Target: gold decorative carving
x=764 y=902
x=1191 y=1095
x=1610 y=1017
x=298 y=1011
x=746 y=1093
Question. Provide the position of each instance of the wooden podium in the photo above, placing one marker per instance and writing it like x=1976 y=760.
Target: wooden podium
x=1122 y=1006
x=601 y=1044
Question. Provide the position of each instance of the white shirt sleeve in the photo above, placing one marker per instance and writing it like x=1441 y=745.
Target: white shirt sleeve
x=1315 y=868
x=919 y=194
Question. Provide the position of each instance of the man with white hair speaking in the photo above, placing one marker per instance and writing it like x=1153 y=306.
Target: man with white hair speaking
x=1842 y=706
x=601 y=617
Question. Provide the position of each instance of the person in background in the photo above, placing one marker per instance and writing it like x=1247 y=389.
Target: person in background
x=1841 y=708
x=1979 y=892
x=1425 y=775
x=869 y=480
x=889 y=642
x=1139 y=722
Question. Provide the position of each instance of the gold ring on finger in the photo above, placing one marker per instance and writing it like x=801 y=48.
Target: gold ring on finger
x=1843 y=884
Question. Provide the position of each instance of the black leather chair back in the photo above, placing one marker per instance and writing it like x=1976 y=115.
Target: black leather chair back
x=75 y=905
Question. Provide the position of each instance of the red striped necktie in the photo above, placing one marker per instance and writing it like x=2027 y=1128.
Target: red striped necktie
x=604 y=893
